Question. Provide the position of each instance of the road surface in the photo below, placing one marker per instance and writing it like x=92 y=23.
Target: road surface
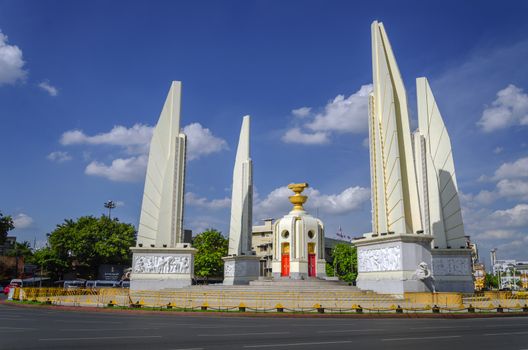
x=41 y=328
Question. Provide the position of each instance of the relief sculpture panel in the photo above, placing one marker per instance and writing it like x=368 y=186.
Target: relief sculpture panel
x=379 y=259
x=162 y=264
x=450 y=266
x=229 y=269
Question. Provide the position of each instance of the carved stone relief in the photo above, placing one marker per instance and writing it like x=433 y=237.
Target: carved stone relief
x=162 y=264
x=451 y=266
x=379 y=259
x=229 y=269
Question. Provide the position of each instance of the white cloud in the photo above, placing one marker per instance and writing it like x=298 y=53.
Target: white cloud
x=276 y=202
x=509 y=108
x=513 y=217
x=295 y=135
x=338 y=116
x=59 y=156
x=513 y=189
x=485 y=197
x=22 y=221
x=11 y=62
x=366 y=143
x=516 y=169
x=138 y=134
x=51 y=90
x=496 y=234
x=511 y=183
x=194 y=200
x=201 y=141
x=498 y=150
x=301 y=112
x=135 y=141
x=349 y=200
x=200 y=223
x=122 y=169
x=344 y=114
x=274 y=205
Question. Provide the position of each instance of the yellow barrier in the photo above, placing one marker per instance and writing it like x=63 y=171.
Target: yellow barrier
x=441 y=298
x=293 y=301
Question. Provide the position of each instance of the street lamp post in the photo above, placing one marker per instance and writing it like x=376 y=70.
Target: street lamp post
x=110 y=205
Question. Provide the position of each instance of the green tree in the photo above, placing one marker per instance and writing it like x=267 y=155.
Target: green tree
x=86 y=243
x=210 y=247
x=344 y=262
x=6 y=225
x=51 y=265
x=491 y=281
x=21 y=249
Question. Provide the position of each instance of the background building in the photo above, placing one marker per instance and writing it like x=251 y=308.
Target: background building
x=511 y=273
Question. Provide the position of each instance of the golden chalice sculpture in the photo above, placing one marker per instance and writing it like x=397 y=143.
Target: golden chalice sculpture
x=298 y=199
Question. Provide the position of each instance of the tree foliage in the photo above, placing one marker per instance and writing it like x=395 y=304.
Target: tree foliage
x=210 y=247
x=21 y=249
x=6 y=225
x=491 y=281
x=344 y=262
x=84 y=244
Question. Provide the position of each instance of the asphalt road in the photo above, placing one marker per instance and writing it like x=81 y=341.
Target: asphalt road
x=39 y=328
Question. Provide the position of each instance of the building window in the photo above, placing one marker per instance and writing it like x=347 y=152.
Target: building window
x=285 y=234
x=311 y=234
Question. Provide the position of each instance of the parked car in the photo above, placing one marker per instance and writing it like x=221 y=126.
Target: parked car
x=102 y=284
x=74 y=284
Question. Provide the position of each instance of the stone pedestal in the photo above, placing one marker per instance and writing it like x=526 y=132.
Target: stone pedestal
x=241 y=269
x=387 y=264
x=452 y=270
x=162 y=268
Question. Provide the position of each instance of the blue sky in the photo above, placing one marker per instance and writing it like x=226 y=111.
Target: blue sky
x=83 y=82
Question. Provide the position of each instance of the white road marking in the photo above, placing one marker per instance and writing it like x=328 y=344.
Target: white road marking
x=352 y=330
x=298 y=344
x=240 y=334
x=230 y=326
x=21 y=328
x=422 y=338
x=438 y=327
x=506 y=333
x=101 y=338
x=189 y=349
x=105 y=329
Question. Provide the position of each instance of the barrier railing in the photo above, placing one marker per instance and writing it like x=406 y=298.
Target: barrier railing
x=269 y=301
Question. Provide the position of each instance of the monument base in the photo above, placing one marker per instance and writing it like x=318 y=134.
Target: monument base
x=162 y=268
x=298 y=270
x=452 y=270
x=241 y=269
x=387 y=264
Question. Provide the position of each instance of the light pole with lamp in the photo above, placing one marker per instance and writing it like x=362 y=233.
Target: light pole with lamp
x=110 y=205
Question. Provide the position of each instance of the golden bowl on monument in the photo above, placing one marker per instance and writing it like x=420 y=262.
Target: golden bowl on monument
x=298 y=200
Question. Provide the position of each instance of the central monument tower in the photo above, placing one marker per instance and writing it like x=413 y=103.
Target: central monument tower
x=298 y=242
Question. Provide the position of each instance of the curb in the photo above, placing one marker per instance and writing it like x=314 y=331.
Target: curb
x=258 y=314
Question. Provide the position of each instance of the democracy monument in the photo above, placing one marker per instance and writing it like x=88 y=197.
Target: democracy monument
x=417 y=243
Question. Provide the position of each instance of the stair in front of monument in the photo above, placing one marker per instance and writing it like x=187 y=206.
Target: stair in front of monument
x=290 y=294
